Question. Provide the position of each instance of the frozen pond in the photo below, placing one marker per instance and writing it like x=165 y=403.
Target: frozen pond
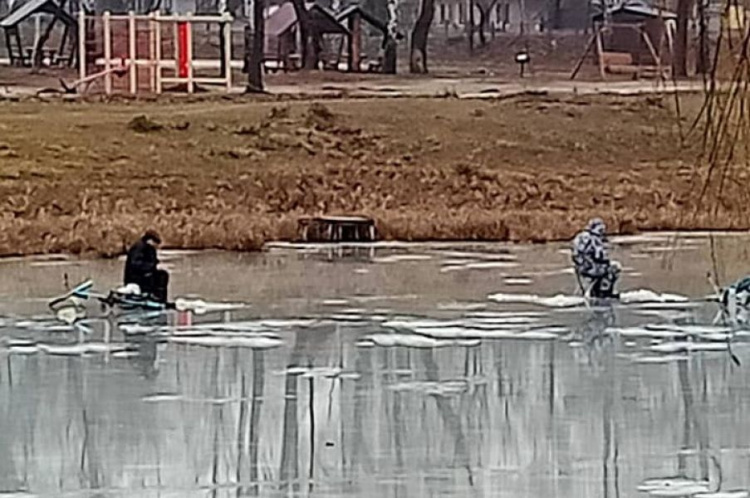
x=387 y=371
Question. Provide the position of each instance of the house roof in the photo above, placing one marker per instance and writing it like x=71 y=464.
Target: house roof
x=634 y=11
x=23 y=11
x=325 y=22
x=284 y=18
x=357 y=9
x=280 y=20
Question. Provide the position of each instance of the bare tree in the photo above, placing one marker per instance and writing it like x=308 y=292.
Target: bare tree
x=484 y=8
x=256 y=43
x=684 y=8
x=389 y=40
x=723 y=125
x=419 y=37
x=44 y=38
x=472 y=25
x=556 y=14
x=310 y=40
x=704 y=55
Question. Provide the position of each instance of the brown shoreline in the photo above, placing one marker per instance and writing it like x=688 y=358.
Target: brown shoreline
x=88 y=178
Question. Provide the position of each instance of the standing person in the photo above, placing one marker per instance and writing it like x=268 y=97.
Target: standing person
x=141 y=267
x=592 y=261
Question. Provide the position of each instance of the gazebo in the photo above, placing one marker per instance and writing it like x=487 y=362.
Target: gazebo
x=282 y=27
x=21 y=56
x=353 y=16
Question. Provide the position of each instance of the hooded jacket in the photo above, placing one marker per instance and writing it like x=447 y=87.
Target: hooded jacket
x=590 y=251
x=141 y=263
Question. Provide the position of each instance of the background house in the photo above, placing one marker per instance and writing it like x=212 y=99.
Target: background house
x=452 y=17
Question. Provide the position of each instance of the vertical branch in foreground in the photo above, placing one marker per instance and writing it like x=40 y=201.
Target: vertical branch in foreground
x=724 y=125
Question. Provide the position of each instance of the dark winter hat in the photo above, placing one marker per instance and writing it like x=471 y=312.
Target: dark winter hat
x=597 y=226
x=151 y=235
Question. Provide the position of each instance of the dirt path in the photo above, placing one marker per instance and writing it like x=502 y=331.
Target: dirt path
x=19 y=83
x=468 y=88
x=483 y=88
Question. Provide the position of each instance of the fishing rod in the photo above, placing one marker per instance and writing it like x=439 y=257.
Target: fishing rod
x=84 y=291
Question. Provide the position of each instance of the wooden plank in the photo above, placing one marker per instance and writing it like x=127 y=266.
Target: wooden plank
x=651 y=49
x=623 y=69
x=356 y=44
x=337 y=229
x=617 y=59
x=190 y=83
x=580 y=62
x=599 y=52
x=107 y=54
x=227 y=28
x=133 y=73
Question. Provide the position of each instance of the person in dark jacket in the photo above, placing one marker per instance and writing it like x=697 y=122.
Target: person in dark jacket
x=141 y=267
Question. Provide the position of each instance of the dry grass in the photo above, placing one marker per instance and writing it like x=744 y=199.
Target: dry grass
x=77 y=177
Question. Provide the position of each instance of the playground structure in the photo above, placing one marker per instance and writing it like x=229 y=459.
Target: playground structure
x=154 y=51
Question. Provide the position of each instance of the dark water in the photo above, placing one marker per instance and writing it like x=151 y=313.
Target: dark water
x=382 y=372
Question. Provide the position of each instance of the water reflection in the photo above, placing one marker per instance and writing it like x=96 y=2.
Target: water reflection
x=472 y=399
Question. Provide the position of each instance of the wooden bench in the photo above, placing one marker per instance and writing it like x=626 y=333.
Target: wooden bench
x=616 y=59
x=62 y=60
x=337 y=229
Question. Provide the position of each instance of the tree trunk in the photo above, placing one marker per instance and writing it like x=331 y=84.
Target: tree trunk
x=704 y=62
x=556 y=14
x=471 y=26
x=38 y=49
x=390 y=57
x=316 y=42
x=255 y=48
x=419 y=36
x=304 y=34
x=235 y=7
x=483 y=17
x=684 y=8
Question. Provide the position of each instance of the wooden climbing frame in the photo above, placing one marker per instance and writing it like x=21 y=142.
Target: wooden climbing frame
x=137 y=43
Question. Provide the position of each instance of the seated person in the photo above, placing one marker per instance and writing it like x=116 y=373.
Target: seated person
x=741 y=293
x=141 y=267
x=592 y=261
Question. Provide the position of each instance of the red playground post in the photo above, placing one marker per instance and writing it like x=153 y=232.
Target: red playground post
x=182 y=51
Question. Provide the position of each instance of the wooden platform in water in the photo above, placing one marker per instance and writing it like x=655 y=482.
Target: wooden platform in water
x=337 y=229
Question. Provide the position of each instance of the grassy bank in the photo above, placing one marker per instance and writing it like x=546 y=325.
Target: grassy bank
x=78 y=177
